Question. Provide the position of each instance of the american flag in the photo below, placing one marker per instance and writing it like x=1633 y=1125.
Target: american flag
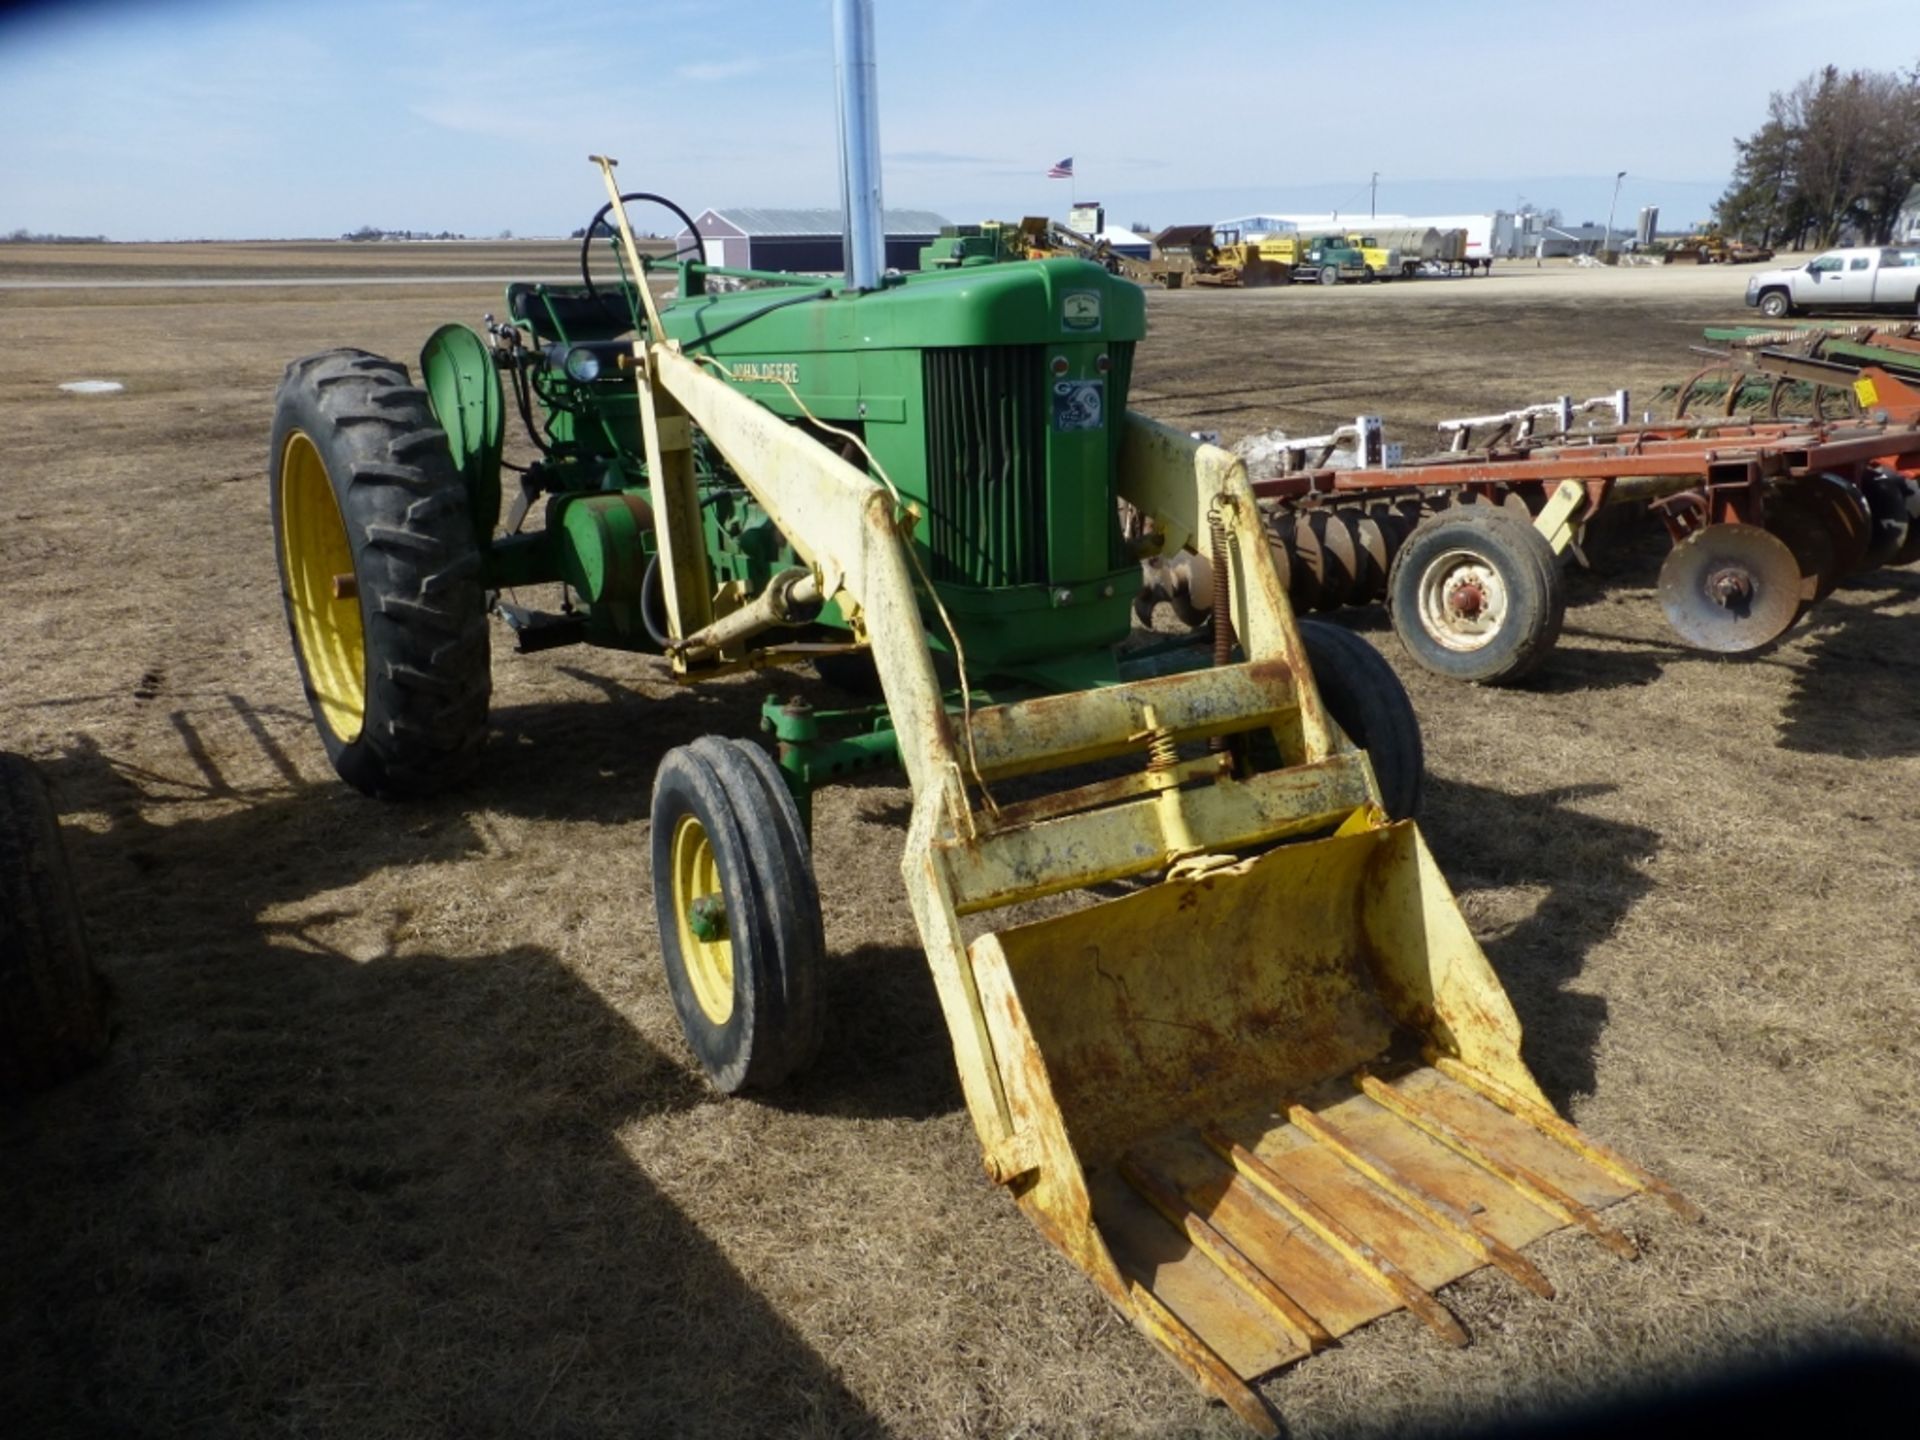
x=1062 y=171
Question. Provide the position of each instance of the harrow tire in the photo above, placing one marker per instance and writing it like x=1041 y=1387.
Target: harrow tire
x=1367 y=700
x=1776 y=305
x=1517 y=584
x=53 y=1004
x=748 y=997
x=362 y=481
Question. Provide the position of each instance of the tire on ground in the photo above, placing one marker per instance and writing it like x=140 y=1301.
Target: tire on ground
x=1366 y=699
x=53 y=1005
x=1477 y=594
x=743 y=972
x=380 y=572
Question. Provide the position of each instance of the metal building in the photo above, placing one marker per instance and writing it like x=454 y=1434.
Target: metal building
x=804 y=241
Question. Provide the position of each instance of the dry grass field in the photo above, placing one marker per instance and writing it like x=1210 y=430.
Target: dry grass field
x=398 y=1135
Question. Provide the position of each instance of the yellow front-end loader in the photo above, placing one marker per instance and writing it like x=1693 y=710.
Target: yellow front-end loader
x=1220 y=1026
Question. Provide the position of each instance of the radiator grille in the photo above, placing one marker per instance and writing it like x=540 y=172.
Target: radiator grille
x=986 y=464
x=987 y=419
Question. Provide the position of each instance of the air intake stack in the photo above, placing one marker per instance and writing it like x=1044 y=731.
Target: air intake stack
x=856 y=91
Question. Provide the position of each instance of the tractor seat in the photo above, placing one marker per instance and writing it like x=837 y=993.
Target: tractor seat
x=582 y=316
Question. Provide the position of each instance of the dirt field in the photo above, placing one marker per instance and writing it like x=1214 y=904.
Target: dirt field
x=399 y=1136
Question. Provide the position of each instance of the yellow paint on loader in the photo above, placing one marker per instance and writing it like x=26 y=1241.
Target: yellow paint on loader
x=1216 y=1093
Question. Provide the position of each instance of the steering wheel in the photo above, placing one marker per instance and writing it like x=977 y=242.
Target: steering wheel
x=698 y=249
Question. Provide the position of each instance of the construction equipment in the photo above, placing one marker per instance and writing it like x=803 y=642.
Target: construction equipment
x=1766 y=518
x=1271 y=1089
x=1228 y=256
x=1046 y=239
x=1383 y=261
x=1710 y=247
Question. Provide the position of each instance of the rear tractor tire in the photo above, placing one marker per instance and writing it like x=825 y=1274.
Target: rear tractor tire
x=53 y=1006
x=380 y=573
x=1366 y=699
x=1477 y=594
x=738 y=913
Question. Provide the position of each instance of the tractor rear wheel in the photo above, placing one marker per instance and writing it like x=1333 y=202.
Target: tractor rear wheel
x=380 y=574
x=53 y=1006
x=1477 y=594
x=738 y=913
x=1367 y=700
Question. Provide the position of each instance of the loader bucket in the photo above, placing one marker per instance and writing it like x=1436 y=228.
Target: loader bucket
x=1281 y=1100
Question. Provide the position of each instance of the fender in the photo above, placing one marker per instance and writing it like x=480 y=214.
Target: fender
x=464 y=390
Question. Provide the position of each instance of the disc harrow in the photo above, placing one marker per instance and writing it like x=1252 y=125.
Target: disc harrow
x=1766 y=516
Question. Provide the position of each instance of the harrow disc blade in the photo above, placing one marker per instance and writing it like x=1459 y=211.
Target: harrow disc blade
x=1339 y=557
x=1376 y=557
x=1802 y=528
x=1303 y=578
x=1849 y=521
x=1730 y=588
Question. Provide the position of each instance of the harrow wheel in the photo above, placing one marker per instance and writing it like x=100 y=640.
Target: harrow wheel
x=380 y=574
x=1366 y=699
x=1731 y=588
x=1909 y=550
x=738 y=913
x=1890 y=497
x=1477 y=594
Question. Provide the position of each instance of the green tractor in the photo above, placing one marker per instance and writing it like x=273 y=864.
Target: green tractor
x=915 y=483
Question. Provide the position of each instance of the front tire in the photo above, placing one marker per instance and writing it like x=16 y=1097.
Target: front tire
x=53 y=1006
x=1776 y=305
x=1330 y=275
x=380 y=574
x=1367 y=700
x=1477 y=594
x=738 y=913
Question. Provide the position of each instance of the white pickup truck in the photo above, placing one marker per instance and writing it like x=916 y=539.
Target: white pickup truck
x=1875 y=277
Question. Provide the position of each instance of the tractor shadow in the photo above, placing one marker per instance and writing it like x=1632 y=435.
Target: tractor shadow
x=1591 y=872
x=1854 y=696
x=358 y=1193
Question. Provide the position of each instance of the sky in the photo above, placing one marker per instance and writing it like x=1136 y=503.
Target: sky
x=182 y=119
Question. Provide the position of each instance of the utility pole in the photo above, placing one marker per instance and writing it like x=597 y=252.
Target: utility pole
x=1373 y=191
x=1607 y=244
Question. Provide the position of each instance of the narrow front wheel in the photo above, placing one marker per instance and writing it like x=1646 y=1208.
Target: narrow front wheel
x=738 y=913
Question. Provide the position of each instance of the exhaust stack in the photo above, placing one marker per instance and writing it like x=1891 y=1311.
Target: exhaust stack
x=863 y=227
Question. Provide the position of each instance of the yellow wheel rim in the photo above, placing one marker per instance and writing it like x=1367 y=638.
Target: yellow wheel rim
x=314 y=551
x=709 y=963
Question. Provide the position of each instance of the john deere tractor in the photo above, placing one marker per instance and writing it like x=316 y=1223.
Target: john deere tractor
x=1249 y=1069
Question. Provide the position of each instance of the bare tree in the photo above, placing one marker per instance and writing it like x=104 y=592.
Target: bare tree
x=1838 y=153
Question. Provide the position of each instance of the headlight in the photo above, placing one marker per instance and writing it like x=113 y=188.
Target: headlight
x=582 y=365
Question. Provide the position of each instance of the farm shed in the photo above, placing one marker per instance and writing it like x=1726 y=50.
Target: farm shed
x=804 y=241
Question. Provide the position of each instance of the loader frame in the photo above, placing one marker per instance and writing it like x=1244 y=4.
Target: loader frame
x=1192 y=818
